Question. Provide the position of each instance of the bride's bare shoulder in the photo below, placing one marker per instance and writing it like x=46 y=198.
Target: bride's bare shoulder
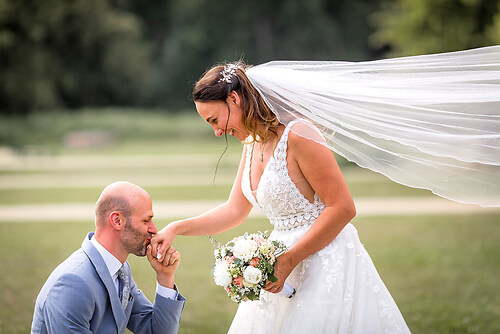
x=305 y=133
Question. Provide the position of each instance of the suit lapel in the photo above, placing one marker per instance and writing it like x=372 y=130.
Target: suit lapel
x=103 y=272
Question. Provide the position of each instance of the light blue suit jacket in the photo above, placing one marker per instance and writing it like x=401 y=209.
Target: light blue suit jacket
x=80 y=297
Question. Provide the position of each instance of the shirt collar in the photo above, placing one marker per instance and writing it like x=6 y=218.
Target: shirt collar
x=112 y=263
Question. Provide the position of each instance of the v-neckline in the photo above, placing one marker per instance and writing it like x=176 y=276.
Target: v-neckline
x=254 y=192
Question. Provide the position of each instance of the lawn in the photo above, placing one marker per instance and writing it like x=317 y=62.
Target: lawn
x=441 y=270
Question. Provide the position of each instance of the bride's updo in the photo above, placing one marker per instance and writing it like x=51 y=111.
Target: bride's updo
x=220 y=80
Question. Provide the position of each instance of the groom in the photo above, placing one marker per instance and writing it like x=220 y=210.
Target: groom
x=92 y=291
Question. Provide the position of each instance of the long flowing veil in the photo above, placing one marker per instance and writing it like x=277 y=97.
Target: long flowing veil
x=430 y=121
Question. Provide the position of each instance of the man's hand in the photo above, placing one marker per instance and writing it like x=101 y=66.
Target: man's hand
x=162 y=240
x=165 y=270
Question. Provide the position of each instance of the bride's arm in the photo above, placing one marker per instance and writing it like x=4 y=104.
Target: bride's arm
x=319 y=167
x=217 y=220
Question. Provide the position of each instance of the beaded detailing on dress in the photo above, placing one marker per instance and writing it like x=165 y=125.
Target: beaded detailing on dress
x=276 y=194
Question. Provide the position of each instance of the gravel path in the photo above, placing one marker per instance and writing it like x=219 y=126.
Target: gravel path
x=32 y=172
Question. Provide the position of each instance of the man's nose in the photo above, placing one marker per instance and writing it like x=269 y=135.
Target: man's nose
x=152 y=229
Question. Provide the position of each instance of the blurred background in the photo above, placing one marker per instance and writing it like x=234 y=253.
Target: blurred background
x=94 y=91
x=74 y=54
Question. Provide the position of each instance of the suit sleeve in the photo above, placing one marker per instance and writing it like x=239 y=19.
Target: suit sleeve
x=69 y=306
x=162 y=317
x=167 y=313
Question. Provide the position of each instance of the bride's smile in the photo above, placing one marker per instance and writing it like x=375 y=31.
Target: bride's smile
x=224 y=117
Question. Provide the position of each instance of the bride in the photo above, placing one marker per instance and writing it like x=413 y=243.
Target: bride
x=288 y=171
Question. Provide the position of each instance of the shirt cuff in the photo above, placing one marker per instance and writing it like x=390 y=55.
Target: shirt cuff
x=167 y=292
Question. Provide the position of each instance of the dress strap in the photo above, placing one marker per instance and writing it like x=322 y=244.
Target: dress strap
x=283 y=143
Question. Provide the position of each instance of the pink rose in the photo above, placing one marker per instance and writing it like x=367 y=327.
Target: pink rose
x=238 y=281
x=230 y=259
x=254 y=262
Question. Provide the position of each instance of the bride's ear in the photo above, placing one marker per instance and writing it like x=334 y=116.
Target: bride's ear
x=234 y=98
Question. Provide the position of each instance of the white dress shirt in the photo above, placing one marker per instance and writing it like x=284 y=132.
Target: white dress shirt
x=113 y=265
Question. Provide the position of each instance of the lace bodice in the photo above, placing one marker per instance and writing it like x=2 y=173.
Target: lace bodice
x=276 y=194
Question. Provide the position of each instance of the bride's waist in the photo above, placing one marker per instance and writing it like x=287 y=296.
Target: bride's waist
x=283 y=223
x=291 y=236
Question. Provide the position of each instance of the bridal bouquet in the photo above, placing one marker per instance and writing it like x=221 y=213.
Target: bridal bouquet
x=243 y=265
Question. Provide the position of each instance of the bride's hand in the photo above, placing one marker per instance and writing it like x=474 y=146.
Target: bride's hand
x=282 y=269
x=162 y=241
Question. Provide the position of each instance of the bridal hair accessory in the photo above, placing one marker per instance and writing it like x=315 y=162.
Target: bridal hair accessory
x=429 y=122
x=228 y=72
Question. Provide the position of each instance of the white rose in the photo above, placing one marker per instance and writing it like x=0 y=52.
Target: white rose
x=222 y=276
x=245 y=249
x=266 y=247
x=252 y=275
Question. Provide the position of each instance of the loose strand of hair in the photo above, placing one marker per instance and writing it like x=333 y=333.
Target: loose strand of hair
x=227 y=145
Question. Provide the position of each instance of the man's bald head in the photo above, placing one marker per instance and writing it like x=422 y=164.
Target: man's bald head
x=118 y=196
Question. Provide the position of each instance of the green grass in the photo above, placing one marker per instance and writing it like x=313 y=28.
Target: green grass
x=65 y=195
x=172 y=193
x=442 y=271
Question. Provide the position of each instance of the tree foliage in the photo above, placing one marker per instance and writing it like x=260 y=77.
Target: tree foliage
x=73 y=53
x=70 y=53
x=410 y=27
x=203 y=34
x=76 y=53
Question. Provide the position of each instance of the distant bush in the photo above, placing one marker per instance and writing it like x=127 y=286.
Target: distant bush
x=124 y=124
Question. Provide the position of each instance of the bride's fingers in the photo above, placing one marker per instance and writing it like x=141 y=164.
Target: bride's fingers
x=149 y=255
x=273 y=287
x=154 y=245
x=269 y=285
x=161 y=250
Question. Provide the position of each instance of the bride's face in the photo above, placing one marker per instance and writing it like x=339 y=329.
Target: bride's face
x=216 y=114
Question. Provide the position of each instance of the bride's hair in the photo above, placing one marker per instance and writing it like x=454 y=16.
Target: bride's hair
x=220 y=80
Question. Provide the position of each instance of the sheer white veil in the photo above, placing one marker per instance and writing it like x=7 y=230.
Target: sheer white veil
x=430 y=121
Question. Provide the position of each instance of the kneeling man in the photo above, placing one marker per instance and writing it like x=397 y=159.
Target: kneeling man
x=92 y=291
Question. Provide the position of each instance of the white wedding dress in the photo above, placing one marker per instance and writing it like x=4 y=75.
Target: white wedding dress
x=338 y=288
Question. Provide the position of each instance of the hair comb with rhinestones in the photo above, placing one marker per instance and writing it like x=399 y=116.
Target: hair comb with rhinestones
x=228 y=72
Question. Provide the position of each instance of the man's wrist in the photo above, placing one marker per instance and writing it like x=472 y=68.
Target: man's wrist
x=165 y=280
x=167 y=292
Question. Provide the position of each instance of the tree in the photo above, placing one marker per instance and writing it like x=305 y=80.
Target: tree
x=74 y=53
x=411 y=27
x=69 y=54
x=204 y=32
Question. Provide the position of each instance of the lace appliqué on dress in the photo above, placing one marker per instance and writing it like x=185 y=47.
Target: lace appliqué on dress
x=338 y=288
x=276 y=194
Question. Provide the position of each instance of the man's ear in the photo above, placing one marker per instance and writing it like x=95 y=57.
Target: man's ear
x=116 y=220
